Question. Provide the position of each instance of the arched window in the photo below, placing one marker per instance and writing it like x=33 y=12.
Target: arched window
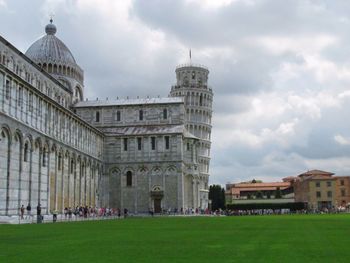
x=165 y=114
x=71 y=166
x=141 y=115
x=97 y=116
x=139 y=144
x=125 y=143
x=44 y=158
x=185 y=81
x=59 y=162
x=167 y=142
x=128 y=178
x=153 y=143
x=8 y=90
x=26 y=152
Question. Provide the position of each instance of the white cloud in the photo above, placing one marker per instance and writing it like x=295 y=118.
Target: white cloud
x=213 y=4
x=3 y=3
x=278 y=69
x=311 y=44
x=342 y=140
x=337 y=165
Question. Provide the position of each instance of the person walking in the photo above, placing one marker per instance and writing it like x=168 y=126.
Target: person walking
x=38 y=214
x=29 y=209
x=22 y=212
x=54 y=215
x=125 y=213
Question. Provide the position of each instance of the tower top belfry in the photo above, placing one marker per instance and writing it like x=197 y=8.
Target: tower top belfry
x=191 y=74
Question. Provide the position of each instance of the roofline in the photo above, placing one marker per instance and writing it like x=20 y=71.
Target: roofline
x=126 y=104
x=7 y=43
x=191 y=65
x=322 y=173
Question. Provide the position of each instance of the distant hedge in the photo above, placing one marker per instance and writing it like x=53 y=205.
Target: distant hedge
x=291 y=206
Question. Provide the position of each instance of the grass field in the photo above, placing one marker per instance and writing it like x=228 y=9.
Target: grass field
x=307 y=238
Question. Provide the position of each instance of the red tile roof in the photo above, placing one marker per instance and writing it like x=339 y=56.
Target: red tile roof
x=243 y=187
x=316 y=172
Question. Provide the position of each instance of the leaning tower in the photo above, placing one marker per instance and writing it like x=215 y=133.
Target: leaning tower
x=192 y=85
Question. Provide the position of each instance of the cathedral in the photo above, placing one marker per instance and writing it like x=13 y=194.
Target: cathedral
x=60 y=150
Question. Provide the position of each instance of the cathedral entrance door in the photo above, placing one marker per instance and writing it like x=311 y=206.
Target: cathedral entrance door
x=157 y=205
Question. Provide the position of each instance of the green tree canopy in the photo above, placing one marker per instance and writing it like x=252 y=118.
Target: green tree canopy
x=217 y=197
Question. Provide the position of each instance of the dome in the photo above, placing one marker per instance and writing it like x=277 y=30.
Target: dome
x=50 y=49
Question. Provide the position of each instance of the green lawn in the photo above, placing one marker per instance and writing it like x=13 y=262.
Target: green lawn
x=307 y=238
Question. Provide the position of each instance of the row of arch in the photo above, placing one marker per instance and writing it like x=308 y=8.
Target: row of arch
x=204 y=165
x=201 y=99
x=30 y=107
x=26 y=72
x=69 y=71
x=201 y=116
x=154 y=170
x=135 y=183
x=195 y=184
x=186 y=77
x=37 y=170
x=201 y=131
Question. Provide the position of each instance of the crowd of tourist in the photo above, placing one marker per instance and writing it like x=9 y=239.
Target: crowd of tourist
x=249 y=212
x=92 y=212
x=88 y=212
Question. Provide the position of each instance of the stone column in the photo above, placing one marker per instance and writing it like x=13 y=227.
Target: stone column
x=8 y=167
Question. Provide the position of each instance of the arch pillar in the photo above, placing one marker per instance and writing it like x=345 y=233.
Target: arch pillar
x=5 y=161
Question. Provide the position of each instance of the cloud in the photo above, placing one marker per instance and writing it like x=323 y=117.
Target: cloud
x=342 y=140
x=211 y=4
x=3 y=4
x=279 y=70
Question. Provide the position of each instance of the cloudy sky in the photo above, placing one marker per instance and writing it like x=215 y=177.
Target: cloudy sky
x=279 y=70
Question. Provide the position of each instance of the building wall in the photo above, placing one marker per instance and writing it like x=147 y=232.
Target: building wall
x=137 y=197
x=40 y=177
x=301 y=191
x=323 y=189
x=129 y=114
x=36 y=130
x=343 y=190
x=173 y=172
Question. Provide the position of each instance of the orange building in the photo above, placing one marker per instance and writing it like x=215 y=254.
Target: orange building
x=259 y=192
x=343 y=191
x=320 y=189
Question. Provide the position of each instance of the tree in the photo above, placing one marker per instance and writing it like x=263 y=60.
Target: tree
x=268 y=195
x=217 y=197
x=278 y=193
x=259 y=195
